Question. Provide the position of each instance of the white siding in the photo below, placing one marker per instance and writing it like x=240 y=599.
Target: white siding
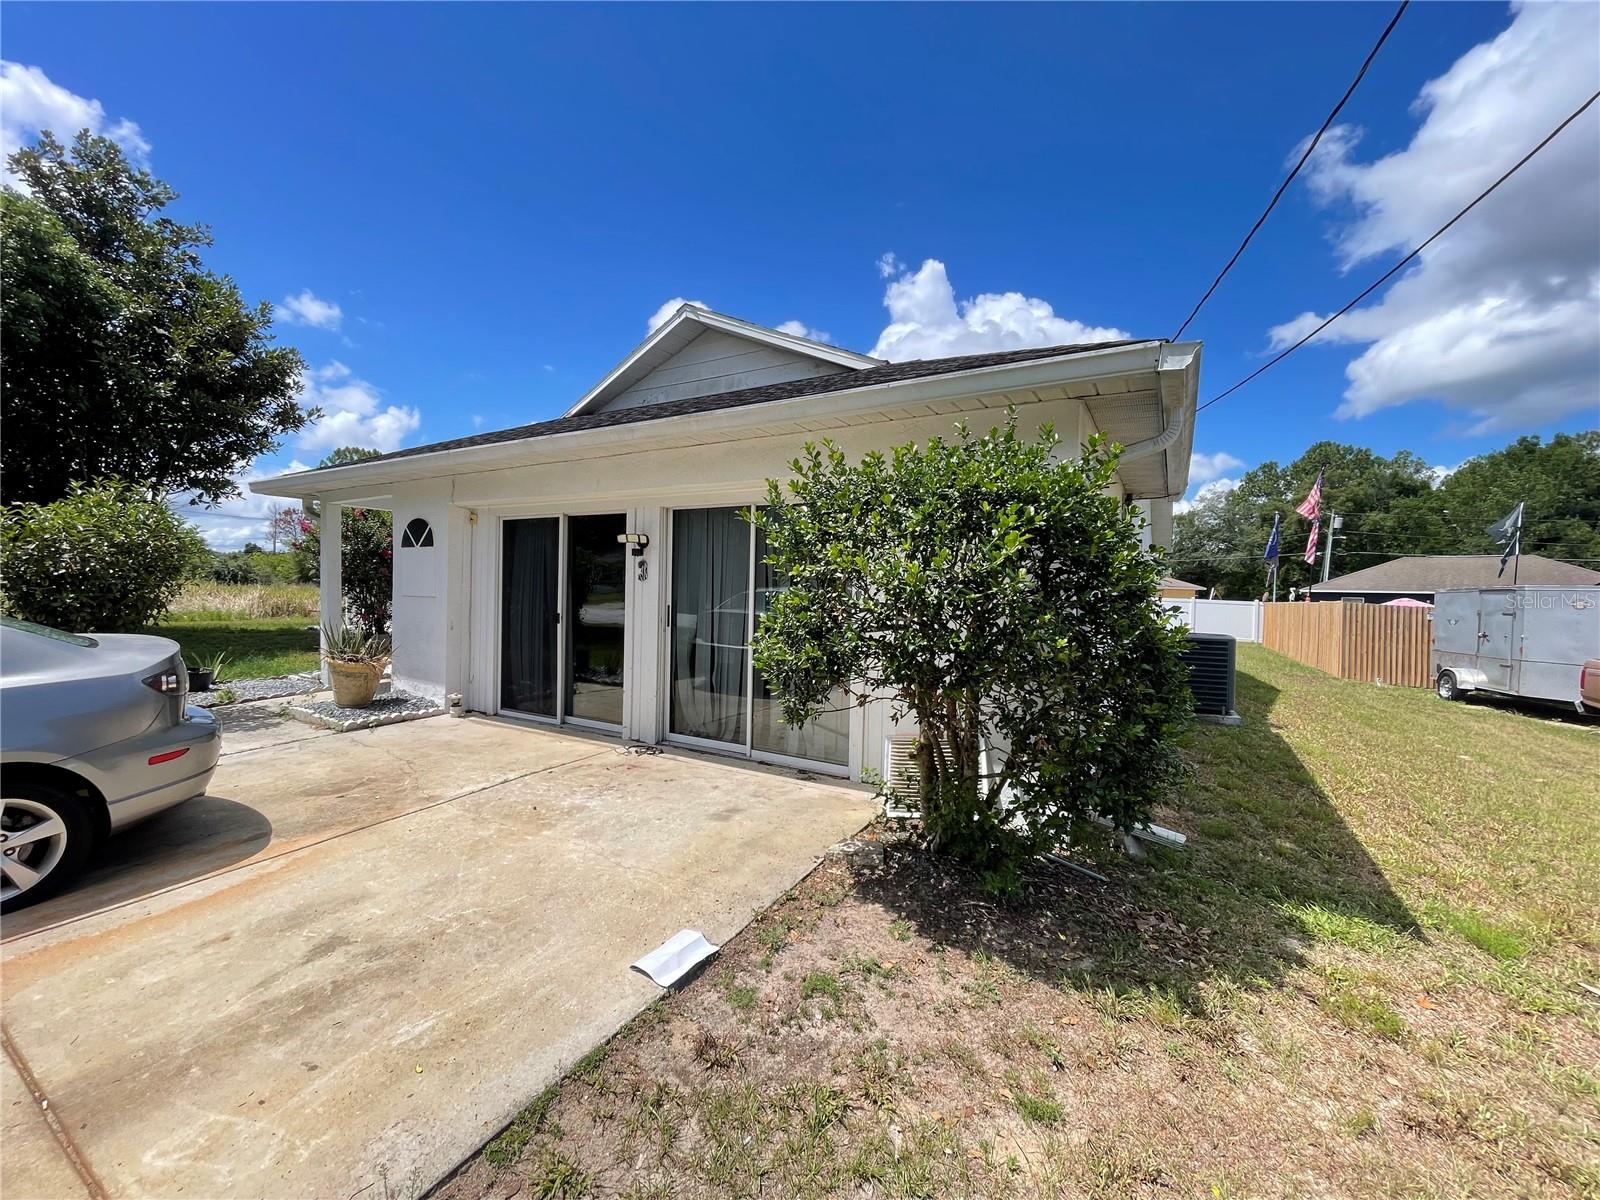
x=446 y=625
x=719 y=362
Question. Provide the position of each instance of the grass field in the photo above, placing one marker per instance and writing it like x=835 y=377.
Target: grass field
x=1365 y=977
x=263 y=629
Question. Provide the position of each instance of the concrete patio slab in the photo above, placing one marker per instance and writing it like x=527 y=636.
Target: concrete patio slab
x=439 y=919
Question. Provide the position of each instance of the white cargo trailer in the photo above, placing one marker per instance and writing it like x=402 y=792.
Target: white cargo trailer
x=1515 y=641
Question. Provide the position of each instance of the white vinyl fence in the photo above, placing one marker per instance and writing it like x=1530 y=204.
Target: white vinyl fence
x=1241 y=619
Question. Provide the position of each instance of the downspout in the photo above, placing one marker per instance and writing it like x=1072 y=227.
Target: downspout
x=1160 y=442
x=1165 y=438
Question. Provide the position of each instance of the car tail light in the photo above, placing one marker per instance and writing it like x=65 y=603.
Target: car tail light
x=168 y=756
x=166 y=682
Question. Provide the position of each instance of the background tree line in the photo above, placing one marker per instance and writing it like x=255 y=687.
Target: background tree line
x=1393 y=507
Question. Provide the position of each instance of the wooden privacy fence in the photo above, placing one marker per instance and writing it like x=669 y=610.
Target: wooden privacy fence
x=1369 y=642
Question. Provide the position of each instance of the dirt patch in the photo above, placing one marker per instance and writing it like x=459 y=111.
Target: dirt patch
x=896 y=1033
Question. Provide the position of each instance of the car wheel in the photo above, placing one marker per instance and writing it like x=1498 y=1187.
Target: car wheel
x=45 y=838
x=1445 y=685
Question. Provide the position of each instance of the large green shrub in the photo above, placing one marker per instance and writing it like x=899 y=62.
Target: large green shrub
x=1000 y=595
x=104 y=557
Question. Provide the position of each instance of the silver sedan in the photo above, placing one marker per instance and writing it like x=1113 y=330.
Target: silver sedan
x=95 y=735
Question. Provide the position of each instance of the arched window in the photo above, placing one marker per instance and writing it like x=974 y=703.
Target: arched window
x=417 y=533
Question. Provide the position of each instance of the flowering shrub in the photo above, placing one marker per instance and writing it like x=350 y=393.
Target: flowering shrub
x=367 y=564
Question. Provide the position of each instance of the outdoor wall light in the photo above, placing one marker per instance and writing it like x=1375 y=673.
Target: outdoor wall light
x=637 y=544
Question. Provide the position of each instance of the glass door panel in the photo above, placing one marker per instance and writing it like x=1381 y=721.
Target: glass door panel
x=710 y=624
x=824 y=740
x=528 y=590
x=596 y=604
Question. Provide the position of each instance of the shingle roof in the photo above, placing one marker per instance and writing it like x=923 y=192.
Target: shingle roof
x=1436 y=572
x=842 y=381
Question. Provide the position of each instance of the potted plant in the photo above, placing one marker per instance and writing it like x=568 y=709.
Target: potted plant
x=355 y=661
x=204 y=675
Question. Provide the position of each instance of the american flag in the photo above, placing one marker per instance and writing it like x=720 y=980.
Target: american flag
x=1311 y=509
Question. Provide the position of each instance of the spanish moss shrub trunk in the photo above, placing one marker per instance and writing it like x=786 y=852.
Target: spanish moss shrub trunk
x=1000 y=596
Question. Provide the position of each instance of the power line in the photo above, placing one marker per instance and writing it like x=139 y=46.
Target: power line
x=1201 y=559
x=1284 y=186
x=1390 y=273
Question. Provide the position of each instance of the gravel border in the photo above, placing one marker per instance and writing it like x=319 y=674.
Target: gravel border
x=237 y=691
x=384 y=710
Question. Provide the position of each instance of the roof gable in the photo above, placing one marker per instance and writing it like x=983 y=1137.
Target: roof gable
x=697 y=352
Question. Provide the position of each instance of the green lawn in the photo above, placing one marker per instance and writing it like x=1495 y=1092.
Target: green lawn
x=1366 y=977
x=255 y=646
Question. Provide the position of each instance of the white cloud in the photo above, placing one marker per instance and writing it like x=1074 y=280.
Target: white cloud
x=664 y=313
x=31 y=103
x=1203 y=468
x=1214 y=490
x=242 y=518
x=309 y=309
x=1439 y=474
x=352 y=412
x=1500 y=318
x=925 y=320
x=889 y=265
x=801 y=329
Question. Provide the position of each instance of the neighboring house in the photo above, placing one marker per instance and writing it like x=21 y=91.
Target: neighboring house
x=1420 y=576
x=511 y=585
x=1177 y=589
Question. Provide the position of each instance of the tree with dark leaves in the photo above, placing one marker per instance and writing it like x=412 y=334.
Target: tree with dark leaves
x=123 y=356
x=1000 y=595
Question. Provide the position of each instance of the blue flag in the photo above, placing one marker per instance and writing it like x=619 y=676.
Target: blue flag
x=1272 y=542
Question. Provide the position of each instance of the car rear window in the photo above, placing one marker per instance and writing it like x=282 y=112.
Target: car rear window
x=73 y=639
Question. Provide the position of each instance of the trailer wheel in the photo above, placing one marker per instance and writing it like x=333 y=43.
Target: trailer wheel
x=1446 y=686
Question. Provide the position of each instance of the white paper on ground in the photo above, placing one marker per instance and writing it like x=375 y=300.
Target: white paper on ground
x=676 y=957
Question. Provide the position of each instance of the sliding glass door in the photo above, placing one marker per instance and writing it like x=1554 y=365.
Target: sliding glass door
x=720 y=587
x=563 y=618
x=529 y=645
x=597 y=614
x=710 y=623
x=825 y=739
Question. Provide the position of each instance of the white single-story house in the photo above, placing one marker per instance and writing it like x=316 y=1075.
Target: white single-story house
x=595 y=569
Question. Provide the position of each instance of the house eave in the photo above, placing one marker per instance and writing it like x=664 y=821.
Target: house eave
x=1178 y=386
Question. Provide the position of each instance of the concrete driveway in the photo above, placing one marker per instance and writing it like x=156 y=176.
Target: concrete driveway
x=357 y=958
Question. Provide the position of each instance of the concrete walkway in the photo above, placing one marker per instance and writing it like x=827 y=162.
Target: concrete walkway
x=356 y=959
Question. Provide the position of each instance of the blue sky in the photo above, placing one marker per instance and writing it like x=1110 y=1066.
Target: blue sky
x=496 y=198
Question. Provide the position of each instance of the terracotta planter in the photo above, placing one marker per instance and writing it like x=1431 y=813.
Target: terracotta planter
x=354 y=684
